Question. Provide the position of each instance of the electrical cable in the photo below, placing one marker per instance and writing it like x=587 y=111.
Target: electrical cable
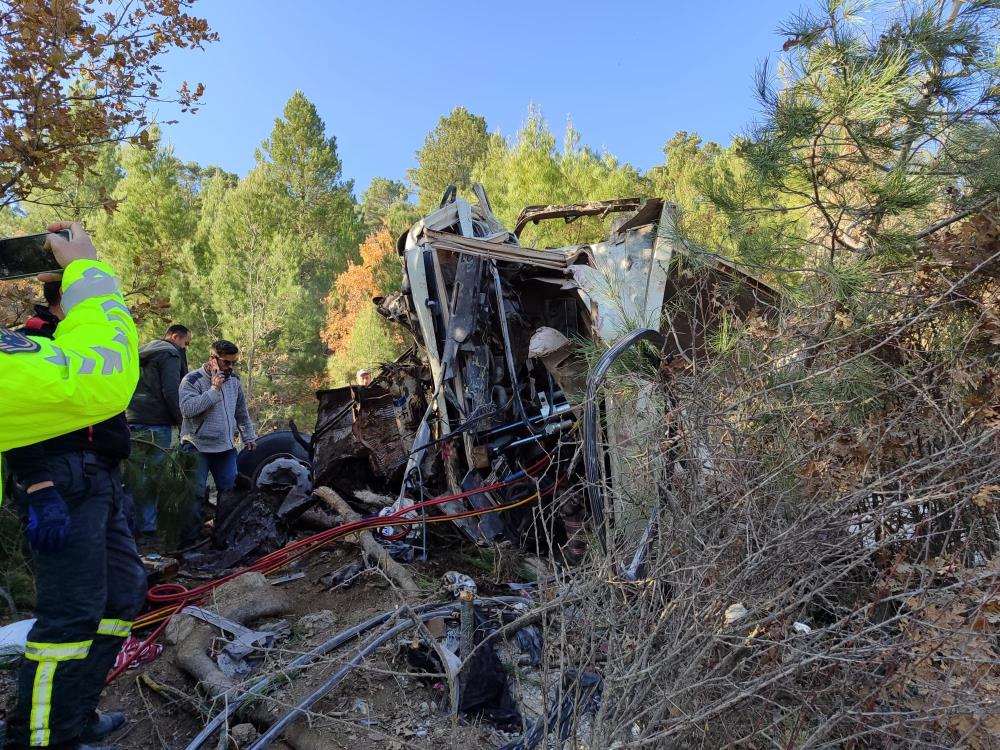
x=276 y=729
x=175 y=597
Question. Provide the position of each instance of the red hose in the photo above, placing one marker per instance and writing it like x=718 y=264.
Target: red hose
x=175 y=596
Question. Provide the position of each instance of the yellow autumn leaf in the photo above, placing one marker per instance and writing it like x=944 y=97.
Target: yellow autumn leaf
x=985 y=495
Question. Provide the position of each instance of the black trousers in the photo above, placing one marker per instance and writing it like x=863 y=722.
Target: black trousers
x=88 y=595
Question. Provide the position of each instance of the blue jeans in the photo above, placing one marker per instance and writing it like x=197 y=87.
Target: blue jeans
x=223 y=468
x=161 y=435
x=222 y=465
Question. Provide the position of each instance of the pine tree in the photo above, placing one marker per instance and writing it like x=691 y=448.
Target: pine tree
x=449 y=156
x=532 y=170
x=872 y=140
x=690 y=172
x=254 y=286
x=190 y=290
x=301 y=158
x=154 y=218
x=385 y=205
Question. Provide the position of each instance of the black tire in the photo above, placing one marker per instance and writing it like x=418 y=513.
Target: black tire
x=268 y=446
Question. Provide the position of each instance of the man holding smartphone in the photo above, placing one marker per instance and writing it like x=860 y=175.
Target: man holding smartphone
x=89 y=580
x=214 y=408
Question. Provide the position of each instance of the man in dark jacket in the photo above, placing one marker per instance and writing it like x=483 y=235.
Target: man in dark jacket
x=155 y=409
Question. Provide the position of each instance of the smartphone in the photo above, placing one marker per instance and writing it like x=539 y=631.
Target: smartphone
x=23 y=257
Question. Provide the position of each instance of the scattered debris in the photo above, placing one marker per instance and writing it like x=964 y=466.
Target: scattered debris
x=459 y=583
x=529 y=642
x=136 y=654
x=278 y=580
x=284 y=473
x=245 y=641
x=244 y=599
x=372 y=548
x=13 y=638
x=734 y=613
x=344 y=576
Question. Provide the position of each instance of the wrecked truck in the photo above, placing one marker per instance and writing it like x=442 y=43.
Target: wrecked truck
x=484 y=411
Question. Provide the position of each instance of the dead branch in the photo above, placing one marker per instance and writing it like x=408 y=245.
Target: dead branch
x=244 y=600
x=396 y=572
x=179 y=697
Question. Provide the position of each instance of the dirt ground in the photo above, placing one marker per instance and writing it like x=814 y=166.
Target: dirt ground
x=381 y=705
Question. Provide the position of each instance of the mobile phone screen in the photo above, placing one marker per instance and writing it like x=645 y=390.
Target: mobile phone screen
x=22 y=257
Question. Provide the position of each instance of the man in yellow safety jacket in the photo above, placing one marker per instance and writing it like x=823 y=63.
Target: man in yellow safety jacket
x=89 y=579
x=88 y=372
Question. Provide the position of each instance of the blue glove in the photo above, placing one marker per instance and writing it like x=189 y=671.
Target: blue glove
x=48 y=521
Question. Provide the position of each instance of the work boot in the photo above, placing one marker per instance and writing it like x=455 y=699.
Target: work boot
x=100 y=726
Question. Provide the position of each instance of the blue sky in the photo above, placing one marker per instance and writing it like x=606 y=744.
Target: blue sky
x=382 y=73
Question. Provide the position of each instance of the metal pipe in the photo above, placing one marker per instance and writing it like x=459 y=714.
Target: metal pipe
x=550 y=429
x=562 y=408
x=512 y=370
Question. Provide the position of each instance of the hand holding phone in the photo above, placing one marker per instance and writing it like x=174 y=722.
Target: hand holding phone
x=218 y=377
x=69 y=241
x=45 y=255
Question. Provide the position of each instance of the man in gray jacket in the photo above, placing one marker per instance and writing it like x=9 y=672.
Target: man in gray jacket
x=214 y=409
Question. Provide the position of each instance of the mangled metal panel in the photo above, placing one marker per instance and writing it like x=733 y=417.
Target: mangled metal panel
x=497 y=379
x=625 y=277
x=358 y=443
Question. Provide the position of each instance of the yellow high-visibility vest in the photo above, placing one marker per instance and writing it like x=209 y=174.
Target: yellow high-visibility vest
x=85 y=375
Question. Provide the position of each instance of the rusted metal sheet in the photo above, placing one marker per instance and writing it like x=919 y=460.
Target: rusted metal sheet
x=375 y=428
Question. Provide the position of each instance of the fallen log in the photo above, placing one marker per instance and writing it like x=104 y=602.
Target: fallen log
x=397 y=573
x=243 y=600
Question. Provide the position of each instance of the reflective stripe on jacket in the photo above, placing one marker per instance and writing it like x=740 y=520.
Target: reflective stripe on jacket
x=86 y=374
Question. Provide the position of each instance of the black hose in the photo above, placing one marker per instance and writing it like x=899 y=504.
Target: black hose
x=591 y=424
x=278 y=727
x=258 y=688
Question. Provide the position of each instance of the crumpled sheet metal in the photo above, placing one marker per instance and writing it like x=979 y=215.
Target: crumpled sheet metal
x=495 y=325
x=375 y=428
x=625 y=286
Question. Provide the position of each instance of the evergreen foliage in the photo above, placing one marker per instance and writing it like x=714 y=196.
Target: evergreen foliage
x=385 y=205
x=868 y=140
x=531 y=170
x=164 y=477
x=449 y=156
x=154 y=217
